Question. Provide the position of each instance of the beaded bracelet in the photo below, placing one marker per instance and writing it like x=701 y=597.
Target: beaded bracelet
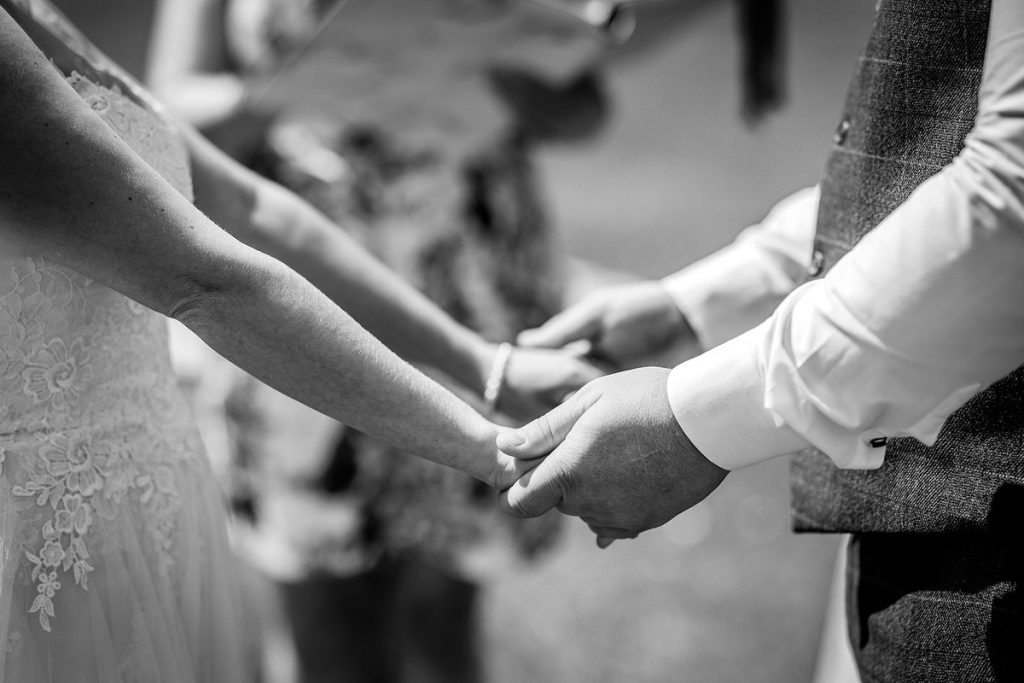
x=495 y=380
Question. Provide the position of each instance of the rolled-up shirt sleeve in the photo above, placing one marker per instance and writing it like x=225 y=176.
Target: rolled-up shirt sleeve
x=926 y=310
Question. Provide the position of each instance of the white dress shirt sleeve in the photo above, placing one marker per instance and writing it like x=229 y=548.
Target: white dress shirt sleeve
x=737 y=287
x=925 y=311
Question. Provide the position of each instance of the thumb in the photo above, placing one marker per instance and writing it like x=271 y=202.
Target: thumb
x=535 y=493
x=582 y=321
x=544 y=434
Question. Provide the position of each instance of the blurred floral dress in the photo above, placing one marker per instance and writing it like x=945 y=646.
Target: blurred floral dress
x=114 y=563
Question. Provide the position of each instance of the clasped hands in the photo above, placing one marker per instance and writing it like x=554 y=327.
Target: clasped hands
x=613 y=454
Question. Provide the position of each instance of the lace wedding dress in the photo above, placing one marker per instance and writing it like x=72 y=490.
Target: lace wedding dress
x=114 y=563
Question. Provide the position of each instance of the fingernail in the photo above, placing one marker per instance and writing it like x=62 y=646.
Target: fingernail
x=511 y=439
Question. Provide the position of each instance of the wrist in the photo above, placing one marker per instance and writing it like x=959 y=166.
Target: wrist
x=484 y=450
x=718 y=401
x=475 y=356
x=684 y=330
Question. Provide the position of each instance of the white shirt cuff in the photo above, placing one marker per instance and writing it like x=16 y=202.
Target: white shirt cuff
x=718 y=399
x=697 y=292
x=737 y=287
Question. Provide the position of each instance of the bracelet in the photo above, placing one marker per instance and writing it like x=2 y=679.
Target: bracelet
x=495 y=380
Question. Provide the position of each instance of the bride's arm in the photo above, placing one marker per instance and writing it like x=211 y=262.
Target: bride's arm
x=277 y=222
x=72 y=191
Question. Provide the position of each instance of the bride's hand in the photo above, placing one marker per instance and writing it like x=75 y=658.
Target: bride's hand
x=537 y=380
x=506 y=469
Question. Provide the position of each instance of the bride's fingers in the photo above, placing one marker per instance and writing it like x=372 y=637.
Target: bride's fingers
x=509 y=470
x=520 y=467
x=562 y=398
x=579 y=348
x=535 y=493
x=589 y=369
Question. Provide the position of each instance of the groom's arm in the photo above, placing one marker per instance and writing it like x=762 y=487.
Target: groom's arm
x=699 y=307
x=924 y=312
x=737 y=287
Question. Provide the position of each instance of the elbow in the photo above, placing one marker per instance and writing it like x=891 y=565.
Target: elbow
x=194 y=302
x=200 y=300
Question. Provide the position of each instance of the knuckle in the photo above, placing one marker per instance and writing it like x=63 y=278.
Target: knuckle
x=531 y=507
x=546 y=430
x=564 y=480
x=522 y=510
x=516 y=508
x=592 y=389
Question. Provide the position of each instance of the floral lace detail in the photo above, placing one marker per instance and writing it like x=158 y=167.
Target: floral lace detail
x=52 y=370
x=56 y=374
x=92 y=430
x=79 y=480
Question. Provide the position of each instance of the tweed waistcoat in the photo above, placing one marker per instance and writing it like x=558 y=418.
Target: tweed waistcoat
x=912 y=102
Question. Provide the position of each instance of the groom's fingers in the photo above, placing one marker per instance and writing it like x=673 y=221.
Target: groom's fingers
x=581 y=321
x=611 y=532
x=535 y=493
x=547 y=432
x=606 y=535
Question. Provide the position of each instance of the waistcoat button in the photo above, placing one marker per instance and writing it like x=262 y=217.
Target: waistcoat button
x=839 y=137
x=817 y=263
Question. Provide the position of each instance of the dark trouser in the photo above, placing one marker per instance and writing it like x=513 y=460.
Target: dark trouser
x=402 y=622
x=936 y=607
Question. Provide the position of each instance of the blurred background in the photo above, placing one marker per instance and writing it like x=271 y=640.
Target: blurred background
x=599 y=162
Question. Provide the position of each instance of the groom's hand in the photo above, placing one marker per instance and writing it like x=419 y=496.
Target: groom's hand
x=629 y=325
x=616 y=457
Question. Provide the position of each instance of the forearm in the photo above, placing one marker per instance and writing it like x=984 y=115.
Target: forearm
x=118 y=222
x=277 y=222
x=275 y=325
x=76 y=194
x=921 y=314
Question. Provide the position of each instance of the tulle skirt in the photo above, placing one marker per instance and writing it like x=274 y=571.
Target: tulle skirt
x=160 y=601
